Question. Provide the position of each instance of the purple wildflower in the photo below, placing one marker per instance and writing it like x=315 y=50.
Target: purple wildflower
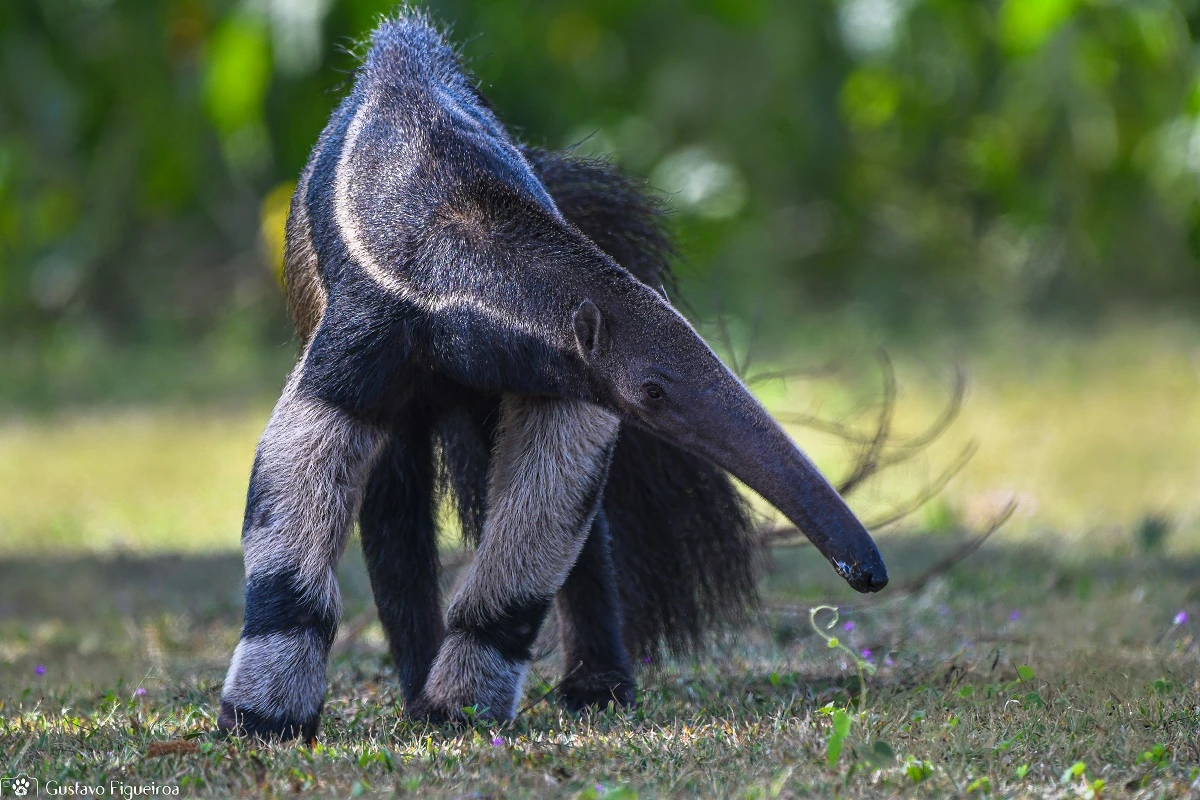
x=849 y=626
x=866 y=652
x=139 y=691
x=1181 y=618
x=39 y=670
x=498 y=741
x=646 y=660
x=1014 y=616
x=887 y=661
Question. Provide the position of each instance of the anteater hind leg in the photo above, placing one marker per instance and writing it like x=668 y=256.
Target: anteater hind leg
x=399 y=539
x=596 y=663
x=545 y=484
x=305 y=488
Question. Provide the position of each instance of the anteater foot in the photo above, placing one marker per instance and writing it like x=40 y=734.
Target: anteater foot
x=235 y=721
x=597 y=690
x=438 y=713
x=470 y=680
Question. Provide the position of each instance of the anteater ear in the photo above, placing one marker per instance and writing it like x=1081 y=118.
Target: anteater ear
x=590 y=335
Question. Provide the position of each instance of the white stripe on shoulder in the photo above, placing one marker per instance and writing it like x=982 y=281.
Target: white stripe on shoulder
x=343 y=211
x=348 y=227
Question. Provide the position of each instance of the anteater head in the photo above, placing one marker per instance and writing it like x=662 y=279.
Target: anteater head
x=645 y=360
x=628 y=349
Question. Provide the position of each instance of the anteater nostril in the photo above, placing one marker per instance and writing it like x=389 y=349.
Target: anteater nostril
x=867 y=579
x=879 y=578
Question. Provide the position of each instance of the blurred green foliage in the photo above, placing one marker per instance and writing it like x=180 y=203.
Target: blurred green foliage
x=911 y=155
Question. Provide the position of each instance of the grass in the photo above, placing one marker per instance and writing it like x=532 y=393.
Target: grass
x=1048 y=664
x=1092 y=669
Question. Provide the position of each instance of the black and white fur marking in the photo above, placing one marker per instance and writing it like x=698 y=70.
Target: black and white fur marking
x=467 y=300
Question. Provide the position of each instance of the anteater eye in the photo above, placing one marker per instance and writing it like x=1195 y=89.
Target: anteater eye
x=653 y=391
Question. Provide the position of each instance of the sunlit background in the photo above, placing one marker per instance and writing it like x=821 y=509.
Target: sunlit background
x=1013 y=186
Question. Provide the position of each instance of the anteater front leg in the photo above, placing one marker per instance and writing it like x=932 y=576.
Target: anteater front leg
x=305 y=490
x=545 y=485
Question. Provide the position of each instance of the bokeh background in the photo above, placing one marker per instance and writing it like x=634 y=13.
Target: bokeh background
x=916 y=163
x=1006 y=187
x=1011 y=185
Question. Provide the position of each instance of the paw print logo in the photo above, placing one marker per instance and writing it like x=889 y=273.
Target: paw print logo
x=21 y=786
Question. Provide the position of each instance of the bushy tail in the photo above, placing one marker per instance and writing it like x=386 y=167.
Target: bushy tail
x=683 y=536
x=683 y=546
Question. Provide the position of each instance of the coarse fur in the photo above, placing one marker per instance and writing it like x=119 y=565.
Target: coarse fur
x=545 y=484
x=668 y=512
x=458 y=293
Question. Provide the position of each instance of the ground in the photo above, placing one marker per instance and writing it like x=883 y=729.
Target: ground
x=1060 y=660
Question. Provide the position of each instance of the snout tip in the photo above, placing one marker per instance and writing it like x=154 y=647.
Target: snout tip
x=866 y=577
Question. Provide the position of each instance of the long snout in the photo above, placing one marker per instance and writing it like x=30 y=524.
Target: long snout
x=735 y=432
